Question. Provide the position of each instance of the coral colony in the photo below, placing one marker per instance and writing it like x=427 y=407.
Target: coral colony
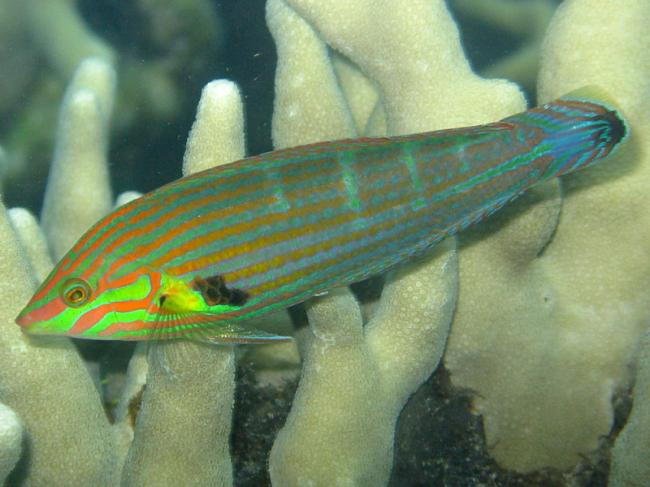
x=540 y=313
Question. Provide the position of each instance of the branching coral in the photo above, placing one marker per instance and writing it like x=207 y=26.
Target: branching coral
x=550 y=295
x=354 y=383
x=45 y=381
x=557 y=315
x=43 y=41
x=200 y=377
x=570 y=310
x=79 y=170
x=198 y=380
x=48 y=373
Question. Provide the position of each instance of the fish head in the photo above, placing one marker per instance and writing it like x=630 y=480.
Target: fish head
x=89 y=304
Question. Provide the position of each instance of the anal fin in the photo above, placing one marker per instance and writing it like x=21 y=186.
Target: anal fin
x=229 y=334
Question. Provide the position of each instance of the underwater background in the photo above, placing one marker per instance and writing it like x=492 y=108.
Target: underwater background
x=536 y=384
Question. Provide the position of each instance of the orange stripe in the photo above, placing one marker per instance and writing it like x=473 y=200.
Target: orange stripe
x=142 y=230
x=163 y=202
x=305 y=252
x=265 y=241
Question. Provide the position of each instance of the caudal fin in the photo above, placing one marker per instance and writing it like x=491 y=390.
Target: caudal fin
x=594 y=126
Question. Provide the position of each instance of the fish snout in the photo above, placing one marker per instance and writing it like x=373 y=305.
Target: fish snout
x=25 y=319
x=29 y=320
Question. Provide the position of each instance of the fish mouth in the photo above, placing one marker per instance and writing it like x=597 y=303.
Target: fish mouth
x=24 y=320
x=29 y=321
x=30 y=324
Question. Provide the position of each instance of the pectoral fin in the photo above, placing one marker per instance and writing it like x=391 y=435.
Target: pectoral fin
x=208 y=328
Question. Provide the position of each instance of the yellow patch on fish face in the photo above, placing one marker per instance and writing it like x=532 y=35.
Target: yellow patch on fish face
x=179 y=296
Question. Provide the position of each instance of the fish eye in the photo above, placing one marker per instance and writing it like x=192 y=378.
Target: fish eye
x=75 y=292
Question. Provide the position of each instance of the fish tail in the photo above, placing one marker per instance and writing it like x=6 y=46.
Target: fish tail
x=589 y=126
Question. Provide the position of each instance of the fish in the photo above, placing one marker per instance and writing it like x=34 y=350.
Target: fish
x=199 y=257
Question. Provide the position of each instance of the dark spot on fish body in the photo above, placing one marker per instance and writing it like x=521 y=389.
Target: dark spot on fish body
x=238 y=297
x=214 y=291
